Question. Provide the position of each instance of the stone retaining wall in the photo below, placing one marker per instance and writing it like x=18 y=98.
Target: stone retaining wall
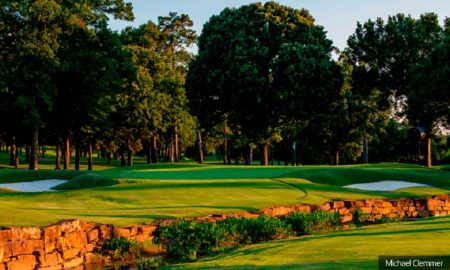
x=70 y=244
x=65 y=245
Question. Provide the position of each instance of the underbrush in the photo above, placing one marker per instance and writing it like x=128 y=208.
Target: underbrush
x=186 y=241
x=121 y=248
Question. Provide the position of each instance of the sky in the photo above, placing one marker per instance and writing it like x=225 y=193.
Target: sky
x=339 y=17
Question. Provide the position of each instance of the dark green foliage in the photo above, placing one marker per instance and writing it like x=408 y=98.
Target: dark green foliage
x=313 y=223
x=86 y=181
x=390 y=57
x=270 y=57
x=121 y=247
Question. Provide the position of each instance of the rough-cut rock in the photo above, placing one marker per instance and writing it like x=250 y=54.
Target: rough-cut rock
x=92 y=235
x=106 y=231
x=5 y=235
x=70 y=225
x=325 y=207
x=73 y=263
x=23 y=262
x=346 y=218
x=26 y=247
x=70 y=253
x=122 y=232
x=50 y=259
x=76 y=239
x=25 y=233
x=338 y=204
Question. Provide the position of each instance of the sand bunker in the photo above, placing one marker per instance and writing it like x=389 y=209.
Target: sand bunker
x=387 y=185
x=35 y=186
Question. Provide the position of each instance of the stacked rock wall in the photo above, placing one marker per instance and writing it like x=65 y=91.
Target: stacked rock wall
x=61 y=246
x=73 y=243
x=374 y=209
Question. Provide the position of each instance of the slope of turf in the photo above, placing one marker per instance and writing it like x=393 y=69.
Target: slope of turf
x=147 y=192
x=357 y=248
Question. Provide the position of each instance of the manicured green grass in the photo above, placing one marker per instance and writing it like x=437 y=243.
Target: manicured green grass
x=147 y=192
x=357 y=248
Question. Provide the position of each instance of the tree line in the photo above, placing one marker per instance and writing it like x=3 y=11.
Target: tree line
x=263 y=83
x=265 y=75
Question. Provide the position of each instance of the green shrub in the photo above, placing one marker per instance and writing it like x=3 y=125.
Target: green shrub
x=86 y=181
x=186 y=241
x=150 y=264
x=121 y=248
x=312 y=223
x=360 y=218
x=266 y=228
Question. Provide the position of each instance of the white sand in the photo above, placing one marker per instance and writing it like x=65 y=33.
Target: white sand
x=35 y=186
x=387 y=185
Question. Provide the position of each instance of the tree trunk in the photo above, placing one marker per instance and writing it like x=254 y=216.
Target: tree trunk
x=13 y=161
x=58 y=156
x=130 y=155
x=265 y=161
x=250 y=155
x=172 y=152
x=110 y=155
x=42 y=151
x=16 y=160
x=177 y=154
x=27 y=153
x=123 y=162
x=149 y=150
x=225 y=151
x=336 y=158
x=67 y=153
x=428 y=153
x=200 y=147
x=77 y=156
x=366 y=151
x=90 y=157
x=34 y=151
x=155 y=154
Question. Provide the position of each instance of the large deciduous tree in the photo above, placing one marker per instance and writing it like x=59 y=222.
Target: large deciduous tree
x=385 y=55
x=262 y=65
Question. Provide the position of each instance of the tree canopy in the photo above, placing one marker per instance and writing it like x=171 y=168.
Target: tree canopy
x=260 y=65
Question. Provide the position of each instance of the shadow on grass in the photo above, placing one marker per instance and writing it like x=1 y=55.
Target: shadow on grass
x=218 y=184
x=367 y=234
x=347 y=265
x=143 y=208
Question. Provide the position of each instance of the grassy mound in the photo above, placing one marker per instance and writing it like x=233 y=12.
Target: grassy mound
x=86 y=181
